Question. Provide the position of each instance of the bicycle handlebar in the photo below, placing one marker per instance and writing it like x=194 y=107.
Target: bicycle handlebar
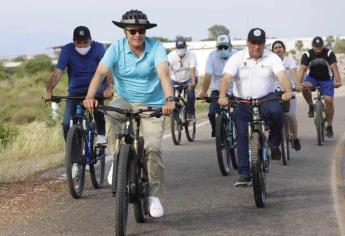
x=129 y=112
x=58 y=99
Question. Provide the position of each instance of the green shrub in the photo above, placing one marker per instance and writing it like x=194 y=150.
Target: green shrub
x=7 y=135
x=37 y=64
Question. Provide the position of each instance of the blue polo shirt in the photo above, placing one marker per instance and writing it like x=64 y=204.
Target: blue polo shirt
x=80 y=69
x=136 y=79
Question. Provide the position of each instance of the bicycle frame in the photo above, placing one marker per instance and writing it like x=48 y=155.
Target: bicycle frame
x=225 y=112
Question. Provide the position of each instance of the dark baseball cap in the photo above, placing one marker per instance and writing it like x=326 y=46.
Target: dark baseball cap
x=81 y=33
x=256 y=35
x=317 y=41
x=181 y=43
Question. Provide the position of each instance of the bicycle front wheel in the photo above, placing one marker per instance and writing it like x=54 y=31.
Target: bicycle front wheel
x=285 y=144
x=141 y=211
x=223 y=149
x=176 y=126
x=318 y=122
x=74 y=161
x=121 y=197
x=190 y=128
x=97 y=169
x=259 y=183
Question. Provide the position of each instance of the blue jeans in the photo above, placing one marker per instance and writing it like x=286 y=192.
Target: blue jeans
x=213 y=108
x=70 y=112
x=272 y=114
x=190 y=108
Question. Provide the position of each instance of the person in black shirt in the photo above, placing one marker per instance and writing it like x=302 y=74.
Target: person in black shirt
x=321 y=64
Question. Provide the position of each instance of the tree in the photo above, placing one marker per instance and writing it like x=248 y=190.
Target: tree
x=299 y=45
x=36 y=64
x=162 y=39
x=180 y=37
x=216 y=30
x=330 y=41
x=339 y=46
x=2 y=71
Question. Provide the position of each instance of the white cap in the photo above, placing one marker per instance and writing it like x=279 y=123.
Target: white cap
x=223 y=39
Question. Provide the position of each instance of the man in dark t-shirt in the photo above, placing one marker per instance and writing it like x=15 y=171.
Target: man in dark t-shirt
x=81 y=59
x=321 y=64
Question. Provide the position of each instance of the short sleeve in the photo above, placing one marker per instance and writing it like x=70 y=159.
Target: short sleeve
x=292 y=63
x=63 y=59
x=160 y=54
x=193 y=62
x=305 y=60
x=332 y=58
x=277 y=64
x=231 y=67
x=209 y=65
x=110 y=56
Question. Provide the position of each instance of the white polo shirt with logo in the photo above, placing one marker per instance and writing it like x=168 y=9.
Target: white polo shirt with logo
x=180 y=68
x=215 y=66
x=253 y=78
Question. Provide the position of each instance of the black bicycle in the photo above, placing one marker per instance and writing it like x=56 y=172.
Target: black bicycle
x=178 y=118
x=81 y=150
x=259 y=154
x=130 y=183
x=226 y=139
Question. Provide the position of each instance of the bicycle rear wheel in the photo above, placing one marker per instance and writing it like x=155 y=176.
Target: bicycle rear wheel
x=233 y=147
x=223 y=149
x=318 y=122
x=176 y=126
x=190 y=128
x=141 y=212
x=74 y=161
x=97 y=169
x=259 y=183
x=121 y=197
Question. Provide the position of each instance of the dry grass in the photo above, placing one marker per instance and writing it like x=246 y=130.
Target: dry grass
x=32 y=151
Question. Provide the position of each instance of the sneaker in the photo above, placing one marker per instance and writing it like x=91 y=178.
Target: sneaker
x=276 y=153
x=213 y=133
x=155 y=207
x=110 y=175
x=190 y=117
x=243 y=181
x=296 y=144
x=329 y=132
x=311 y=111
x=101 y=140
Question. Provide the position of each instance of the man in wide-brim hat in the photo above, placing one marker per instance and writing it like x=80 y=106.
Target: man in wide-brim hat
x=141 y=76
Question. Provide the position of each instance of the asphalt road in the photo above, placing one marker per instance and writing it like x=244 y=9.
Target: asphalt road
x=200 y=201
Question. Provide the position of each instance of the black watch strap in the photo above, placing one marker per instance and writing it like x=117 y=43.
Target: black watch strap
x=170 y=99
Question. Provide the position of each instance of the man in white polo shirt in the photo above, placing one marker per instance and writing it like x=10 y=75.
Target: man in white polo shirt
x=253 y=72
x=182 y=66
x=214 y=73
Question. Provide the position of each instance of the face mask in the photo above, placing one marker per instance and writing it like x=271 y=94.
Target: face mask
x=181 y=52
x=83 y=51
x=224 y=53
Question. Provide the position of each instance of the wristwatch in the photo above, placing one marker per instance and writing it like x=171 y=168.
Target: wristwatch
x=170 y=99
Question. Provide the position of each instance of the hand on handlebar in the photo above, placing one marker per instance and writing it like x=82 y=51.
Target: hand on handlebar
x=286 y=96
x=47 y=96
x=168 y=107
x=90 y=103
x=223 y=101
x=202 y=94
x=337 y=84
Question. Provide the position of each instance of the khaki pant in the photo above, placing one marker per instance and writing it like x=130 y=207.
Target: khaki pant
x=152 y=131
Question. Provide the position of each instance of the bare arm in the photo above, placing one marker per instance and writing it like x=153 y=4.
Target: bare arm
x=205 y=85
x=53 y=81
x=193 y=75
x=223 y=88
x=108 y=92
x=163 y=73
x=301 y=74
x=285 y=83
x=293 y=73
x=90 y=102
x=336 y=74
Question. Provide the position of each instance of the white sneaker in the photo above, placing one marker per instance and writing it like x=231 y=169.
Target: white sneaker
x=101 y=139
x=110 y=175
x=155 y=207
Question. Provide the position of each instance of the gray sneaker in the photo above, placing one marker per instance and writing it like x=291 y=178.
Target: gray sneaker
x=243 y=181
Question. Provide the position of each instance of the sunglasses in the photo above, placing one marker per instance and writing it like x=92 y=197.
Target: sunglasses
x=221 y=47
x=135 y=31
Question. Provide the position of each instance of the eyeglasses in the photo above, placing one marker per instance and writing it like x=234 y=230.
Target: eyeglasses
x=221 y=47
x=135 y=31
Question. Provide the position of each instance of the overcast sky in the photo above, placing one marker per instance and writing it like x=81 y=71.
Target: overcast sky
x=31 y=26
